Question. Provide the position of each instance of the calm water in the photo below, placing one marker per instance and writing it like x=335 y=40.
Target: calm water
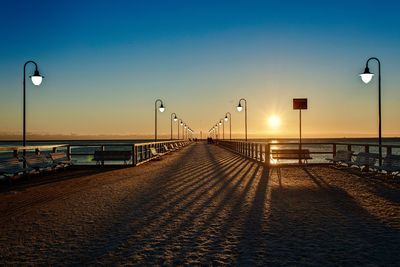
x=325 y=150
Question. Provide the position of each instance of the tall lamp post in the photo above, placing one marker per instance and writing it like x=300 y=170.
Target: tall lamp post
x=240 y=108
x=184 y=131
x=174 y=118
x=230 y=123
x=221 y=122
x=161 y=108
x=179 y=126
x=366 y=77
x=36 y=79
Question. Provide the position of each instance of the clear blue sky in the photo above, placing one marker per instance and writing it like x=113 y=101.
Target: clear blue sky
x=105 y=62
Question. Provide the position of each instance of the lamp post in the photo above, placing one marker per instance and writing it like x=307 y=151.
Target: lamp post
x=239 y=108
x=179 y=126
x=366 y=77
x=230 y=123
x=175 y=118
x=161 y=109
x=221 y=122
x=184 y=130
x=36 y=79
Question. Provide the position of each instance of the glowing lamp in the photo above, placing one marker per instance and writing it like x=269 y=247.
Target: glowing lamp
x=36 y=78
x=366 y=77
x=161 y=108
x=239 y=107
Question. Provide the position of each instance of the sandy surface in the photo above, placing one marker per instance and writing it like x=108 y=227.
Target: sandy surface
x=203 y=205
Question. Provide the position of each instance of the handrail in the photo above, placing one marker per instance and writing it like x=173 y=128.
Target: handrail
x=19 y=148
x=140 y=151
x=260 y=151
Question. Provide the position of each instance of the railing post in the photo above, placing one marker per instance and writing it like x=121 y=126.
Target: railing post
x=267 y=156
x=134 y=155
x=334 y=150
x=256 y=152
x=348 y=147
x=69 y=152
x=102 y=158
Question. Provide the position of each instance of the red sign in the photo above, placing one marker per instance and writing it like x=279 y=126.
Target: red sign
x=299 y=103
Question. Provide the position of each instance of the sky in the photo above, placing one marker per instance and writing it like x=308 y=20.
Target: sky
x=106 y=62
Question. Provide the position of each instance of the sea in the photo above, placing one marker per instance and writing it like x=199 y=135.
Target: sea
x=82 y=150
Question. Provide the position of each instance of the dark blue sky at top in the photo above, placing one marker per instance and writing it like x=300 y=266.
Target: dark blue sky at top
x=39 y=25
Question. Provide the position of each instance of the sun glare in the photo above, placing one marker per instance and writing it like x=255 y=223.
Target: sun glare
x=274 y=122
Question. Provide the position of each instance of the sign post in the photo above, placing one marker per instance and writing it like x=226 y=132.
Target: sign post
x=299 y=104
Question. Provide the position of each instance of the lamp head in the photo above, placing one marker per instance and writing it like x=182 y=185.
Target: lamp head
x=175 y=118
x=226 y=118
x=220 y=122
x=366 y=77
x=239 y=107
x=161 y=108
x=36 y=78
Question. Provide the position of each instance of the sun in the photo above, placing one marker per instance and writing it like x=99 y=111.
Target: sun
x=274 y=122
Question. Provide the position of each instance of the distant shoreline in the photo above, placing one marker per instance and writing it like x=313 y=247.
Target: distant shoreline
x=387 y=139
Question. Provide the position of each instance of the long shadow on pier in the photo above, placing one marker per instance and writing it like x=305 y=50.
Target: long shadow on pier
x=310 y=225
x=205 y=205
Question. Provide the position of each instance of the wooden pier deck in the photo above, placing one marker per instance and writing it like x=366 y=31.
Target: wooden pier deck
x=202 y=205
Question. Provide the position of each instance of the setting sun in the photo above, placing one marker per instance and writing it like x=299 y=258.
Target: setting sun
x=274 y=122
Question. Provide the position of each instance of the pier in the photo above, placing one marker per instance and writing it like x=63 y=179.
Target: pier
x=203 y=204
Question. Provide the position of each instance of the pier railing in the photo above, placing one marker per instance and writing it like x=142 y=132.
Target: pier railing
x=319 y=151
x=82 y=153
x=140 y=152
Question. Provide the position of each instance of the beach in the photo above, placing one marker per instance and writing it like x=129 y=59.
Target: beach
x=202 y=205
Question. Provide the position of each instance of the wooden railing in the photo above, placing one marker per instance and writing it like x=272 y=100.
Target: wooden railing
x=37 y=149
x=140 y=151
x=260 y=151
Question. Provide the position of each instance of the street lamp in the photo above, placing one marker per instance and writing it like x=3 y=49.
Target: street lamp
x=175 y=118
x=221 y=122
x=179 y=126
x=366 y=77
x=161 y=108
x=230 y=123
x=36 y=79
x=184 y=131
x=240 y=108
